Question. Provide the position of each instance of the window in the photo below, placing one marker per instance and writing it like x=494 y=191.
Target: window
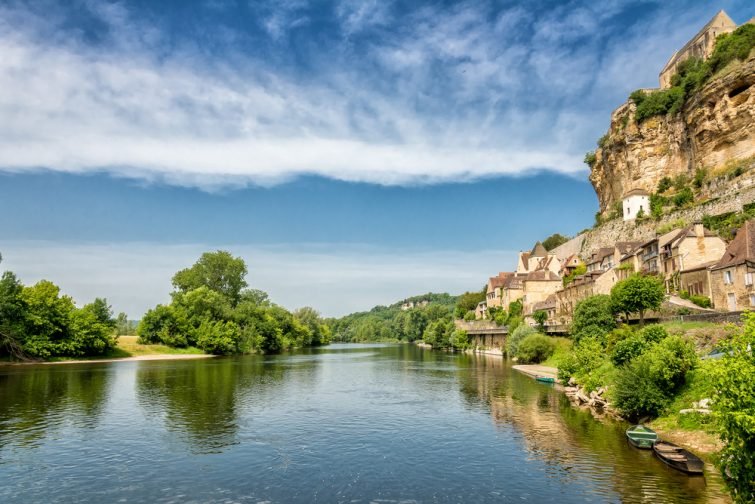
x=752 y=299
x=727 y=277
x=748 y=278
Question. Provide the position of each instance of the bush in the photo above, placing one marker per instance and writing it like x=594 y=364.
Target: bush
x=535 y=348
x=628 y=349
x=664 y=185
x=700 y=175
x=683 y=197
x=659 y=103
x=587 y=356
x=590 y=159
x=635 y=392
x=654 y=333
x=701 y=301
x=218 y=338
x=593 y=316
x=469 y=316
x=516 y=337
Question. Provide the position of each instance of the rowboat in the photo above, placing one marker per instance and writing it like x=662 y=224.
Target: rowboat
x=641 y=436
x=678 y=458
x=545 y=379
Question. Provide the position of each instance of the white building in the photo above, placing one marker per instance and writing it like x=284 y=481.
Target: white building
x=635 y=201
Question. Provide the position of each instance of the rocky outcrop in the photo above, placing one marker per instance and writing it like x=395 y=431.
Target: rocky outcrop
x=716 y=125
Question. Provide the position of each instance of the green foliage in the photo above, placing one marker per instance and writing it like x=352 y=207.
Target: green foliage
x=513 y=323
x=590 y=159
x=659 y=103
x=581 y=269
x=670 y=226
x=727 y=224
x=603 y=141
x=593 y=317
x=516 y=337
x=683 y=197
x=501 y=318
x=627 y=349
x=653 y=333
x=701 y=174
x=701 y=301
x=664 y=185
x=587 y=357
x=733 y=380
x=442 y=334
x=516 y=308
x=468 y=302
x=218 y=271
x=637 y=294
x=210 y=310
x=540 y=316
x=535 y=348
x=469 y=316
x=554 y=241
x=657 y=202
x=732 y=46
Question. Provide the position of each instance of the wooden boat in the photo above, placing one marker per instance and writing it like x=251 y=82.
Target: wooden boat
x=678 y=458
x=641 y=436
x=545 y=379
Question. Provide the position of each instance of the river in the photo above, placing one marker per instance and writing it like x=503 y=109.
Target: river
x=344 y=423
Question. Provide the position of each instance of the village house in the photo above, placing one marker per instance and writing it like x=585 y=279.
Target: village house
x=481 y=310
x=688 y=249
x=630 y=262
x=696 y=280
x=513 y=289
x=635 y=203
x=731 y=279
x=538 y=286
x=578 y=289
x=569 y=265
x=494 y=294
x=549 y=307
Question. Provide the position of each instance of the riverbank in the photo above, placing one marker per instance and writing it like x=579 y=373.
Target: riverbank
x=127 y=349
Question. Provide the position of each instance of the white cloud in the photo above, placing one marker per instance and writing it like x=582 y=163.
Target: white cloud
x=442 y=95
x=335 y=279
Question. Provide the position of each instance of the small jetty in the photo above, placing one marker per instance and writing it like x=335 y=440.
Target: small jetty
x=540 y=373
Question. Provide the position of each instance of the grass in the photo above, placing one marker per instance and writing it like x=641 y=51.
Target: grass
x=563 y=347
x=128 y=347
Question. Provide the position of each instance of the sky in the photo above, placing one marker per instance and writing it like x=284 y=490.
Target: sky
x=352 y=152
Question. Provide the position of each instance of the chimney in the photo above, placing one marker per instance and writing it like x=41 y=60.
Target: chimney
x=699 y=230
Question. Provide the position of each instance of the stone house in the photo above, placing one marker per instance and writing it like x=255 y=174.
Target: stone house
x=538 y=286
x=689 y=248
x=700 y=46
x=634 y=202
x=494 y=294
x=596 y=261
x=696 y=280
x=567 y=297
x=569 y=264
x=630 y=262
x=535 y=256
x=731 y=279
x=513 y=289
x=549 y=307
x=481 y=310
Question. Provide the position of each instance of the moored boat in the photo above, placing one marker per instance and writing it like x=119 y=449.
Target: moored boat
x=545 y=379
x=678 y=458
x=641 y=436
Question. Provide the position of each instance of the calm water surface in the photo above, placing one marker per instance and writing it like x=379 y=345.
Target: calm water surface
x=346 y=423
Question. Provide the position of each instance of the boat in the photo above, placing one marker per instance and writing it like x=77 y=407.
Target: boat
x=641 y=436
x=545 y=379
x=678 y=458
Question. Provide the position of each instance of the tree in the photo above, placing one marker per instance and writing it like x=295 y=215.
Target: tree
x=554 y=241
x=310 y=318
x=218 y=271
x=637 y=294
x=102 y=312
x=468 y=302
x=733 y=405
x=593 y=316
x=540 y=317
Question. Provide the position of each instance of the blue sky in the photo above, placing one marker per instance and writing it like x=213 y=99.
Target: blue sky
x=353 y=152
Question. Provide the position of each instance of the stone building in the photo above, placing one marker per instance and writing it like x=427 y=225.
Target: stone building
x=731 y=279
x=696 y=280
x=690 y=248
x=700 y=46
x=634 y=202
x=494 y=294
x=538 y=286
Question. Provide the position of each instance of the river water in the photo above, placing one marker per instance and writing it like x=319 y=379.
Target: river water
x=344 y=423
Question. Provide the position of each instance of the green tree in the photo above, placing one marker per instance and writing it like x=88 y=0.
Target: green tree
x=218 y=271
x=102 y=312
x=310 y=318
x=637 y=294
x=540 y=316
x=554 y=241
x=733 y=405
x=593 y=317
x=468 y=302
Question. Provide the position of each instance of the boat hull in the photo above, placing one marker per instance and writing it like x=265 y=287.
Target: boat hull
x=641 y=437
x=678 y=458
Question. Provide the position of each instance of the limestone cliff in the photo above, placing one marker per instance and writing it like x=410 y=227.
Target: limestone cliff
x=716 y=125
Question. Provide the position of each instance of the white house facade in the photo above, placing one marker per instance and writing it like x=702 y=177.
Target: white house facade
x=634 y=202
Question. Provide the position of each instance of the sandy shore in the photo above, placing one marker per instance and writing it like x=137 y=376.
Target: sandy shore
x=122 y=359
x=536 y=370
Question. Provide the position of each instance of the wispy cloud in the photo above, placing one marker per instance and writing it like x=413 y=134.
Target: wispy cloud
x=335 y=280
x=425 y=96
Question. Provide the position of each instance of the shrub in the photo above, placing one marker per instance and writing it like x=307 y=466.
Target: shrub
x=654 y=333
x=535 y=348
x=659 y=103
x=587 y=356
x=513 y=323
x=683 y=197
x=635 y=392
x=664 y=185
x=595 y=312
x=701 y=301
x=469 y=316
x=700 y=175
x=657 y=203
x=219 y=338
x=628 y=349
x=516 y=337
x=590 y=159
x=731 y=46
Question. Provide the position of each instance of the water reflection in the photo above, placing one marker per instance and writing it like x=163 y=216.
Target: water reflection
x=572 y=442
x=34 y=401
x=206 y=403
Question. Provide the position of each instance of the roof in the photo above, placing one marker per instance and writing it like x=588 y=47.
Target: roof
x=498 y=281
x=689 y=232
x=699 y=267
x=601 y=254
x=742 y=247
x=636 y=192
x=525 y=257
x=546 y=261
x=550 y=302
x=514 y=281
x=543 y=276
x=625 y=247
x=538 y=250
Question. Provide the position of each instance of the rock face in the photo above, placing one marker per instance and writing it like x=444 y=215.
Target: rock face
x=716 y=125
